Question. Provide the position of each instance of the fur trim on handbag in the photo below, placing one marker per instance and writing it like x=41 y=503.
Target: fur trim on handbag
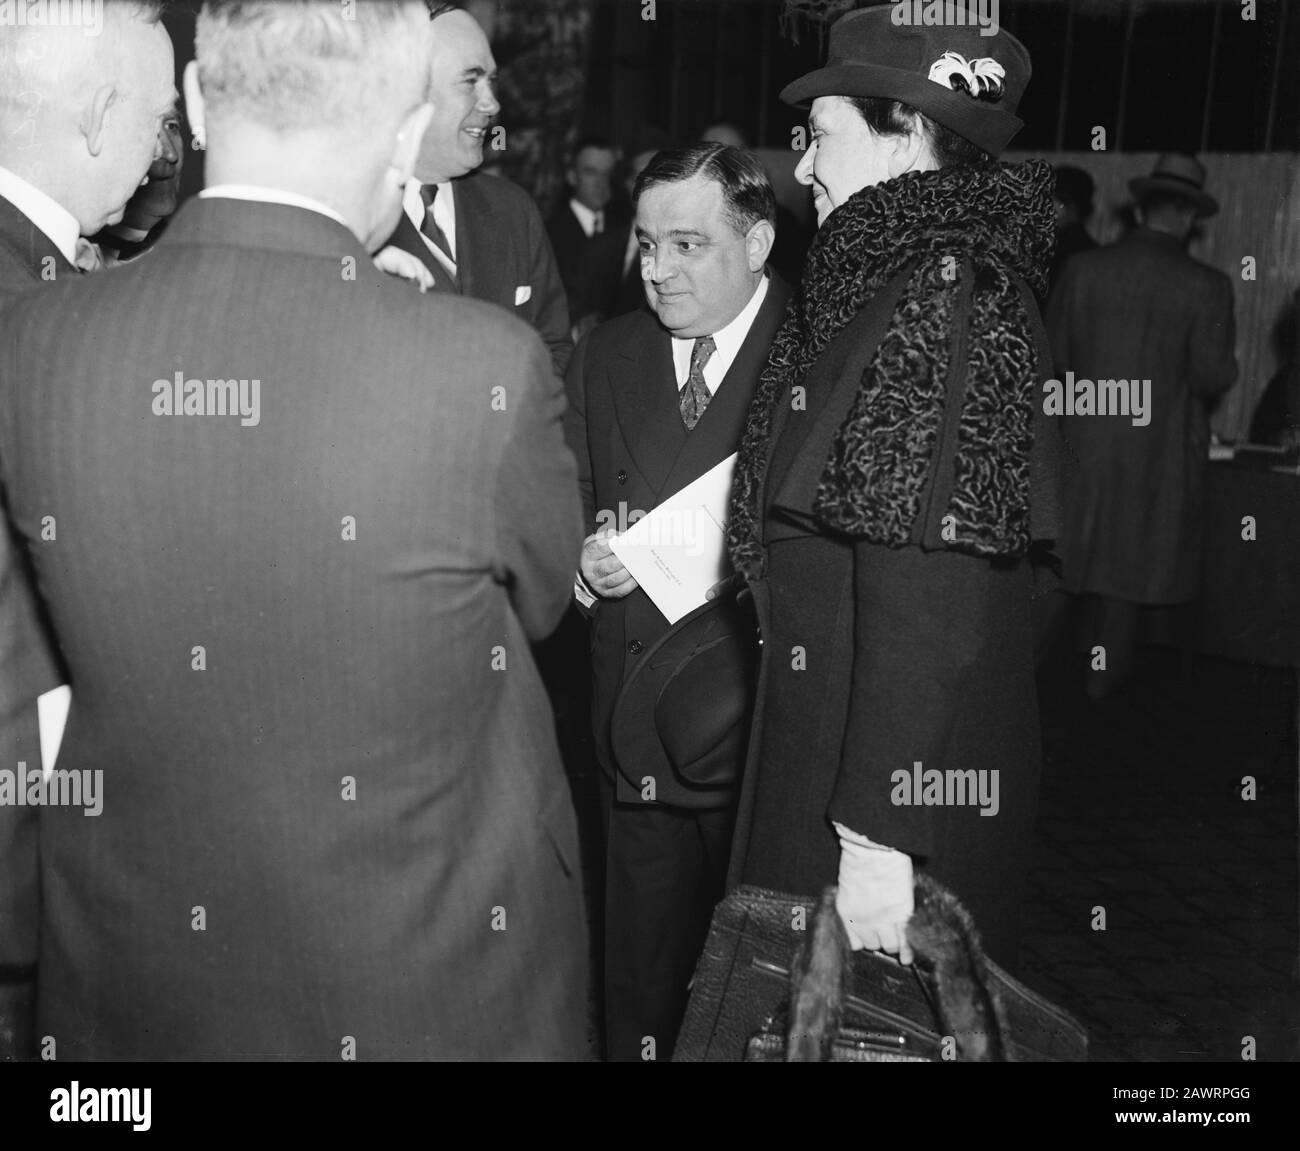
x=966 y=236
x=946 y=945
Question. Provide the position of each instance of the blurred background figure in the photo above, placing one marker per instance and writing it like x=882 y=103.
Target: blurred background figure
x=1073 y=196
x=792 y=236
x=589 y=232
x=1136 y=310
x=1277 y=416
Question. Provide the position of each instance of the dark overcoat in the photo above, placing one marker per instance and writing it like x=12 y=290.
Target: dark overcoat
x=876 y=659
x=1141 y=309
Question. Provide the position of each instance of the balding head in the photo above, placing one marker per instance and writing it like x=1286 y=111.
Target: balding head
x=314 y=97
x=80 y=111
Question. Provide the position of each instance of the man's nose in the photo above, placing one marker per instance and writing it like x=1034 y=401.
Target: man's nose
x=166 y=149
x=662 y=266
x=488 y=104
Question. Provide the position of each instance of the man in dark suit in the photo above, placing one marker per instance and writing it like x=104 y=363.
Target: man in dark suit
x=477 y=235
x=588 y=236
x=63 y=176
x=333 y=823
x=658 y=398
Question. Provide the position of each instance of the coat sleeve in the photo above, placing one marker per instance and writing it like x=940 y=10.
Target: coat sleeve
x=575 y=435
x=925 y=641
x=538 y=513
x=550 y=307
x=1212 y=342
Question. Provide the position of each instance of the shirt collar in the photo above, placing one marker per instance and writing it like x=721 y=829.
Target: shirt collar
x=444 y=212
x=269 y=196
x=728 y=340
x=586 y=217
x=51 y=217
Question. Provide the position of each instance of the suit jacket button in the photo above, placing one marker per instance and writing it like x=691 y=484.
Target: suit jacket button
x=635 y=647
x=622 y=477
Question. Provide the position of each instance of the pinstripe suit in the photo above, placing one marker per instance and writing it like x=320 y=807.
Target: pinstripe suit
x=333 y=806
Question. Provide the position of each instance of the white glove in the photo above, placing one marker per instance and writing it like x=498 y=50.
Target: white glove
x=875 y=894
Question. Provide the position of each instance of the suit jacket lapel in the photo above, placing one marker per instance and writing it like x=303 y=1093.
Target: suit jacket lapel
x=477 y=233
x=644 y=385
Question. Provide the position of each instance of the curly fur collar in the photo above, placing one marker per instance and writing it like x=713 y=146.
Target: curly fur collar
x=969 y=235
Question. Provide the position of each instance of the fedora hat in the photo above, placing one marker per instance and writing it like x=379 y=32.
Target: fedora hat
x=682 y=716
x=969 y=83
x=1181 y=176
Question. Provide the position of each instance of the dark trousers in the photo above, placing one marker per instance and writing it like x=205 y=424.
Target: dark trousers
x=665 y=870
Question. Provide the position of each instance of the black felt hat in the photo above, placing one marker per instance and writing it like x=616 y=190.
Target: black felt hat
x=682 y=716
x=961 y=79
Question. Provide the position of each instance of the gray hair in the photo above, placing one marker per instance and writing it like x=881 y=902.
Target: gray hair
x=299 y=64
x=33 y=63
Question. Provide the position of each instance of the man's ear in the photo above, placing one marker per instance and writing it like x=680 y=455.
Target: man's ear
x=406 y=148
x=194 y=107
x=758 y=244
x=94 y=120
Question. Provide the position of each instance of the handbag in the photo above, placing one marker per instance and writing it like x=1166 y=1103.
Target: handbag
x=776 y=982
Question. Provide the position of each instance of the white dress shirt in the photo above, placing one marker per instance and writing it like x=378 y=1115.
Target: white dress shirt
x=50 y=217
x=269 y=196
x=727 y=343
x=592 y=223
x=444 y=215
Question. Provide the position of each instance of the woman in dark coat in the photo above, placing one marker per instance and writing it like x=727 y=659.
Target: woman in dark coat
x=895 y=471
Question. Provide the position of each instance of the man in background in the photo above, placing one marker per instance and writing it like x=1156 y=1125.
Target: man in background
x=477 y=235
x=331 y=820
x=1144 y=312
x=1073 y=197
x=588 y=238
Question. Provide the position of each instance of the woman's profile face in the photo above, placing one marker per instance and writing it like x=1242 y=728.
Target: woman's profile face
x=844 y=155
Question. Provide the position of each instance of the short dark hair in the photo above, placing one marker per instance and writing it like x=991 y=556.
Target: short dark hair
x=590 y=141
x=886 y=117
x=1075 y=187
x=746 y=189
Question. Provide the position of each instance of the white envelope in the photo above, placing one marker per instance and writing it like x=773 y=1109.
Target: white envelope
x=679 y=550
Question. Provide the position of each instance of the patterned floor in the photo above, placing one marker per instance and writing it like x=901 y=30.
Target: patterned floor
x=1142 y=814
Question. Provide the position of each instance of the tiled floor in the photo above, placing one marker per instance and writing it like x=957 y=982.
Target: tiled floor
x=1142 y=815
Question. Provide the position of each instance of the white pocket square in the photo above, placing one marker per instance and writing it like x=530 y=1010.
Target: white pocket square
x=523 y=294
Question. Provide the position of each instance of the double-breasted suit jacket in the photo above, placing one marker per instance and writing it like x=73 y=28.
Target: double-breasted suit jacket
x=625 y=428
